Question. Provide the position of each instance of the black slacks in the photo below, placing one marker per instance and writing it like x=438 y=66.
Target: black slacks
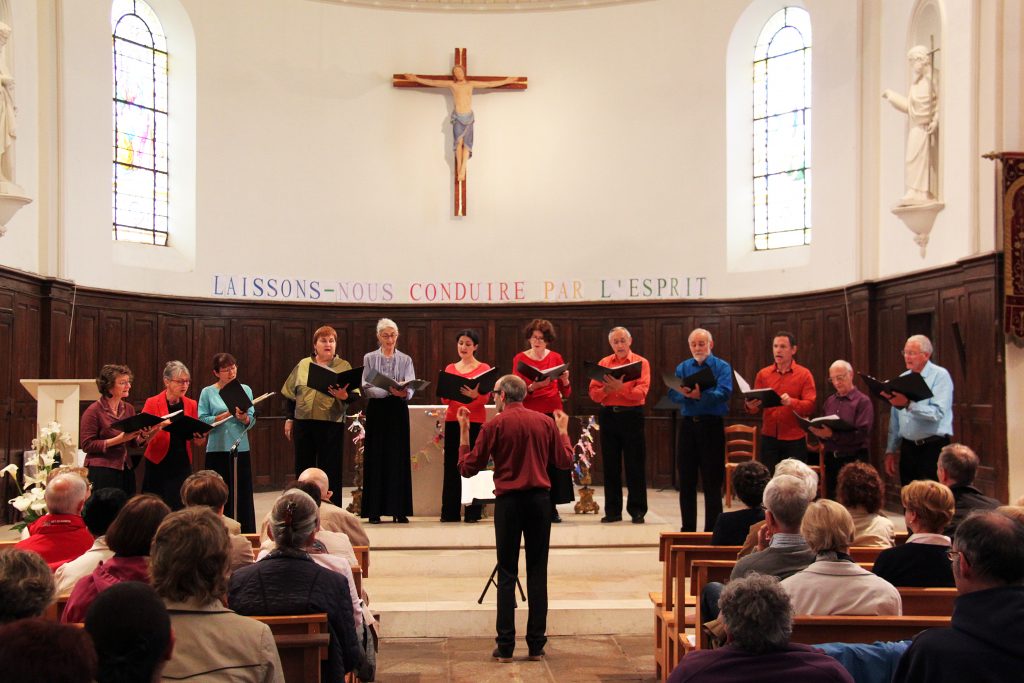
x=527 y=515
x=775 y=450
x=701 y=449
x=622 y=444
x=920 y=461
x=319 y=443
x=835 y=462
x=451 y=484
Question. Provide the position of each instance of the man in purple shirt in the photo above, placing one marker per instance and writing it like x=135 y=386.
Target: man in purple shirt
x=852 y=406
x=522 y=442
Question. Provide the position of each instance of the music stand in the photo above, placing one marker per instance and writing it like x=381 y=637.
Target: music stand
x=491 y=581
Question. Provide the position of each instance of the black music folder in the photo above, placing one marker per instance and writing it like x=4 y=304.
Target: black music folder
x=769 y=398
x=449 y=385
x=234 y=396
x=833 y=422
x=186 y=426
x=320 y=378
x=141 y=421
x=382 y=381
x=627 y=373
x=537 y=375
x=911 y=385
x=704 y=378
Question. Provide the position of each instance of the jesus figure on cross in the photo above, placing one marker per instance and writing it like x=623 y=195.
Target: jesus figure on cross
x=462 y=116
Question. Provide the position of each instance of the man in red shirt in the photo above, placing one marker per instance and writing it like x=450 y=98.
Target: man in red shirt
x=522 y=443
x=781 y=435
x=60 y=535
x=622 y=429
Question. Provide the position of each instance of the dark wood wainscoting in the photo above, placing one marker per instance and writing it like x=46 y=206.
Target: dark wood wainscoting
x=47 y=329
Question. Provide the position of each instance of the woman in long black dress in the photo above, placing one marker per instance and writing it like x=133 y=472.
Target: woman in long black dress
x=387 y=470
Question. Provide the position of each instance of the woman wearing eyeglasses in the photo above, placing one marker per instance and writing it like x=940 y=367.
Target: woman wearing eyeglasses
x=169 y=456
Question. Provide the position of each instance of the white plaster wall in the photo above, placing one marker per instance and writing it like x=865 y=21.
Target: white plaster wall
x=611 y=165
x=20 y=247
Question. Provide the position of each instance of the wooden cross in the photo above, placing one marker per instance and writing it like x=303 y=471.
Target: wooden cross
x=462 y=91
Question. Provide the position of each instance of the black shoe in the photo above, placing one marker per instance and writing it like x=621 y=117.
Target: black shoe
x=502 y=657
x=470 y=520
x=536 y=656
x=638 y=520
x=446 y=521
x=401 y=519
x=556 y=518
x=607 y=519
x=374 y=520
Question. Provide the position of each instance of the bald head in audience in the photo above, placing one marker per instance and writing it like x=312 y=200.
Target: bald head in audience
x=988 y=552
x=66 y=494
x=318 y=477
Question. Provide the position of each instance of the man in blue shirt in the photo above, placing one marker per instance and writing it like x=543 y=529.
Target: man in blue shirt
x=701 y=444
x=919 y=429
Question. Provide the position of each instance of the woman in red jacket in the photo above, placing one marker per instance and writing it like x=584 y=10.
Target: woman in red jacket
x=169 y=456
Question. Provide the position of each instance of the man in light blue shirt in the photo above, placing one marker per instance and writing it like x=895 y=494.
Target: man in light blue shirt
x=919 y=429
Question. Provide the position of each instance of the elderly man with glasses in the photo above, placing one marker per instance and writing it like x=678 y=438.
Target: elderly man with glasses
x=853 y=407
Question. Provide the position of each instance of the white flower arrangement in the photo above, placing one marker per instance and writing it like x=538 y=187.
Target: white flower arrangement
x=39 y=462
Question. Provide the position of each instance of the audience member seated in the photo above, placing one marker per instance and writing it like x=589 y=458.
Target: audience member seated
x=1014 y=511
x=985 y=643
x=60 y=535
x=288 y=581
x=957 y=468
x=99 y=511
x=26 y=585
x=41 y=650
x=189 y=564
x=782 y=551
x=331 y=550
x=129 y=536
x=793 y=468
x=834 y=584
x=748 y=480
x=861 y=491
x=867 y=662
x=332 y=517
x=206 y=487
x=922 y=560
x=758 y=620
x=131 y=632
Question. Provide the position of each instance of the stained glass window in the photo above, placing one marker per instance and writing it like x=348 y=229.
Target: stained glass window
x=140 y=124
x=782 y=131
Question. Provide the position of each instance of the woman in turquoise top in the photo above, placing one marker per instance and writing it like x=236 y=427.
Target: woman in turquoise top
x=220 y=440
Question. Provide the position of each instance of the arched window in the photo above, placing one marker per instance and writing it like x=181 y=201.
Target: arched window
x=140 y=124
x=782 y=131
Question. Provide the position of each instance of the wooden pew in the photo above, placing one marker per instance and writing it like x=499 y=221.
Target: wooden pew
x=254 y=539
x=302 y=641
x=666 y=540
x=838 y=629
x=928 y=602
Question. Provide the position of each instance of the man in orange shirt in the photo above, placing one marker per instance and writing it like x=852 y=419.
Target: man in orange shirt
x=622 y=430
x=781 y=435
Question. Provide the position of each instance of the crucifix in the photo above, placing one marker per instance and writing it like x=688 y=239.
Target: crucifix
x=461 y=87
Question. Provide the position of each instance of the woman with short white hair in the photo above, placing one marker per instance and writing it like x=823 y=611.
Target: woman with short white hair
x=387 y=470
x=169 y=454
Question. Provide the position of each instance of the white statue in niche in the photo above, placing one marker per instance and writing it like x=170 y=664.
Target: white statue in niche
x=12 y=197
x=922 y=107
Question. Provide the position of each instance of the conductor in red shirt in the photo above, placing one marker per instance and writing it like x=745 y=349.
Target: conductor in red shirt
x=522 y=443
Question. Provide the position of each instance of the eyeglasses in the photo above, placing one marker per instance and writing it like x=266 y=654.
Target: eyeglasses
x=388 y=335
x=953 y=555
x=181 y=381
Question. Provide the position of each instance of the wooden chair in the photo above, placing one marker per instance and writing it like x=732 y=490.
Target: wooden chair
x=302 y=641
x=741 y=445
x=816 y=446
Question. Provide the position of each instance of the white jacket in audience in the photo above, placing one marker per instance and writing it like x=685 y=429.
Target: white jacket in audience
x=840 y=587
x=68 y=574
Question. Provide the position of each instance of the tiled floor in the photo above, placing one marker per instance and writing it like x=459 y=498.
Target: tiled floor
x=582 y=658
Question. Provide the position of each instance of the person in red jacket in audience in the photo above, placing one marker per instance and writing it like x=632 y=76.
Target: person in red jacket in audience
x=60 y=535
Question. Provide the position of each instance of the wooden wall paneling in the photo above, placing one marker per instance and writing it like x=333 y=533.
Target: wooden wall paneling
x=212 y=337
x=57 y=310
x=146 y=355
x=8 y=384
x=113 y=340
x=251 y=341
x=414 y=339
x=85 y=339
x=291 y=341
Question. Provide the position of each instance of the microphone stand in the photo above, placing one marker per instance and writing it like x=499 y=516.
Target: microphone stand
x=234 y=476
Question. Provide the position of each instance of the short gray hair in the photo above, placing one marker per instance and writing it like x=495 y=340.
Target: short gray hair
x=800 y=470
x=175 y=368
x=785 y=497
x=924 y=342
x=757 y=613
x=960 y=463
x=65 y=493
x=513 y=387
x=619 y=329
x=700 y=330
x=843 y=364
x=385 y=323
x=294 y=519
x=26 y=583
